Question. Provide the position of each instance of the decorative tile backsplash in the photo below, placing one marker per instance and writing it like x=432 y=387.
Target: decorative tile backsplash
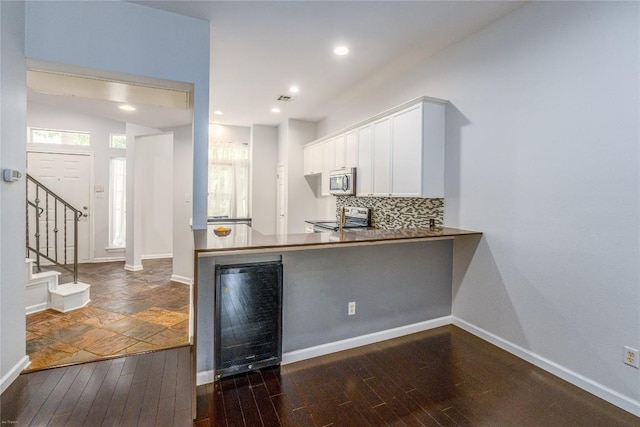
x=397 y=212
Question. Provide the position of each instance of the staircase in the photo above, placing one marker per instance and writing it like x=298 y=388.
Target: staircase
x=47 y=216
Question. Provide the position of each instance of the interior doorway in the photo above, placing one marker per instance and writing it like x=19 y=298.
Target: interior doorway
x=130 y=311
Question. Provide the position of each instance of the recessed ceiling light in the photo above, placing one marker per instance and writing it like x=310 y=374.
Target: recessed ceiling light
x=341 y=50
x=294 y=89
x=218 y=113
x=275 y=110
x=127 y=107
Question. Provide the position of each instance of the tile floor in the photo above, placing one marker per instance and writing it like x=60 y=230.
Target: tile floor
x=129 y=312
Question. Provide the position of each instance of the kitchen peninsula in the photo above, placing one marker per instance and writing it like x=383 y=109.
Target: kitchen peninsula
x=400 y=279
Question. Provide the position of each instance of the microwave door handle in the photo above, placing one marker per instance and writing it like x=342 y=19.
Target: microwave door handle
x=345 y=183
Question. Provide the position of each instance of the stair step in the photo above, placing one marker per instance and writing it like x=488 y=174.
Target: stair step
x=70 y=289
x=45 y=274
x=70 y=296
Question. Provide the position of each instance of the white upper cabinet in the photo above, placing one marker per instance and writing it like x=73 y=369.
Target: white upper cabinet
x=351 y=149
x=406 y=157
x=312 y=159
x=346 y=146
x=433 y=123
x=328 y=163
x=382 y=157
x=340 y=152
x=399 y=153
x=364 y=173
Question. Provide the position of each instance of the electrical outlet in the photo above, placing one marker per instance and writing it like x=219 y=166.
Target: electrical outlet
x=351 y=310
x=387 y=218
x=631 y=357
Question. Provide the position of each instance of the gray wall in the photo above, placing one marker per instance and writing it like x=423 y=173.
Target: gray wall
x=542 y=156
x=393 y=285
x=13 y=136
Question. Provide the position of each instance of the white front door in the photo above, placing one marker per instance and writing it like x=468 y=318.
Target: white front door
x=67 y=175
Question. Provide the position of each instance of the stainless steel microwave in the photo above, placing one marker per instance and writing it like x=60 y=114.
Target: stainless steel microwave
x=342 y=182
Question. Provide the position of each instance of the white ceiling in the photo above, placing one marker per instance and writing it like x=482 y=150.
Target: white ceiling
x=260 y=48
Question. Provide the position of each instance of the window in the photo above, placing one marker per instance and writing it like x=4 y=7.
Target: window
x=60 y=137
x=117 y=141
x=228 y=180
x=118 y=202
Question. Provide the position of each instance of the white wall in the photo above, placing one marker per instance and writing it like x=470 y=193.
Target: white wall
x=543 y=157
x=44 y=116
x=109 y=36
x=182 y=197
x=133 y=254
x=13 y=122
x=154 y=187
x=302 y=204
x=229 y=133
x=264 y=163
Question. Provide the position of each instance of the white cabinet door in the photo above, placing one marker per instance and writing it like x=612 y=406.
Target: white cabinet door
x=433 y=129
x=351 y=149
x=312 y=159
x=382 y=157
x=400 y=155
x=364 y=177
x=406 y=164
x=328 y=164
x=340 y=153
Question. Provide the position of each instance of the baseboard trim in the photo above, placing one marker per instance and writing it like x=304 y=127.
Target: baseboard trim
x=108 y=259
x=587 y=384
x=133 y=267
x=206 y=377
x=182 y=279
x=359 y=341
x=13 y=373
x=156 y=256
x=37 y=307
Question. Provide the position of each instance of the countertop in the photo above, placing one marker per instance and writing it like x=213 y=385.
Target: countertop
x=244 y=238
x=315 y=221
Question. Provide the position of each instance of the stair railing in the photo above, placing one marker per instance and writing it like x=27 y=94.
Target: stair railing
x=39 y=202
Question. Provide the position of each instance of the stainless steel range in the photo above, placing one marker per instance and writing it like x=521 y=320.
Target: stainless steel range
x=354 y=217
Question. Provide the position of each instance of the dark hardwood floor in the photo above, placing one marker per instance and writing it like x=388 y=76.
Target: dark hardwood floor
x=440 y=377
x=151 y=389
x=445 y=377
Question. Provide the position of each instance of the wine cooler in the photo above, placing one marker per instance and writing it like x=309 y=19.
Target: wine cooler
x=248 y=317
